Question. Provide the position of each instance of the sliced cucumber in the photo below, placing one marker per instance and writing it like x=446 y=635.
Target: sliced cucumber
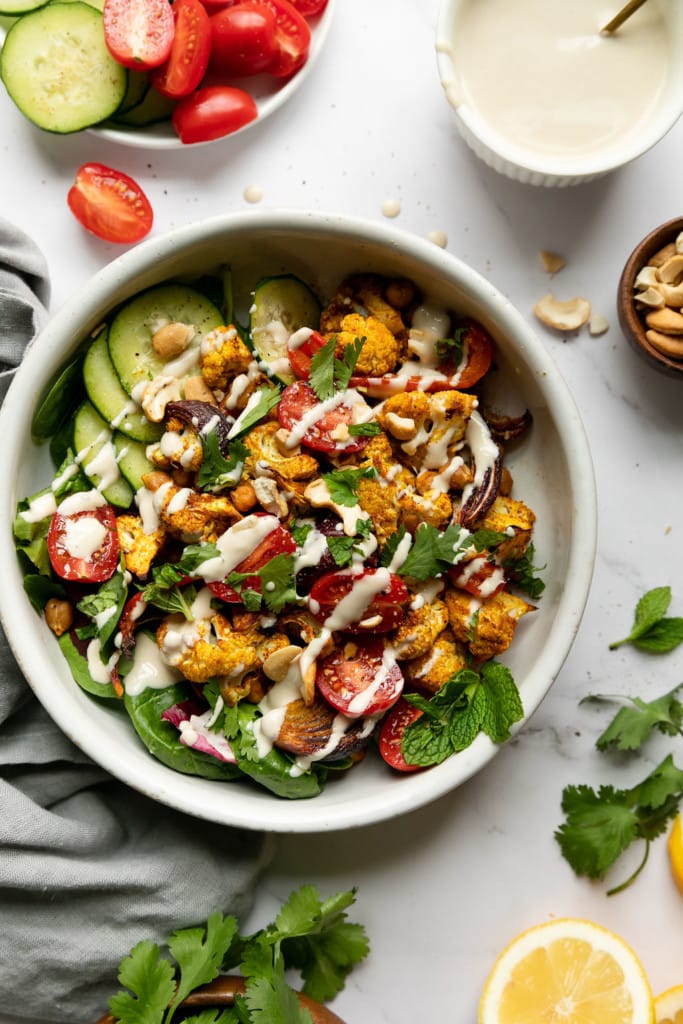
x=150 y=109
x=111 y=401
x=57 y=69
x=283 y=301
x=61 y=398
x=132 y=459
x=130 y=334
x=136 y=89
x=95 y=450
x=12 y=8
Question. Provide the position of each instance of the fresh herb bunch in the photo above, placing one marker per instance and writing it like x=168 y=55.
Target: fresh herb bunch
x=310 y=935
x=600 y=825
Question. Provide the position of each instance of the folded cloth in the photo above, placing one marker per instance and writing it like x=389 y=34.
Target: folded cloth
x=88 y=867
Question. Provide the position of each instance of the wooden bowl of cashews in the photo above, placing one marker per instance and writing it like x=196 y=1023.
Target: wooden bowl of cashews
x=650 y=298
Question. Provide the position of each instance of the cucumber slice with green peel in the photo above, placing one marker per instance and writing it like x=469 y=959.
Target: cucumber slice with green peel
x=281 y=306
x=57 y=69
x=131 y=332
x=96 y=452
x=13 y=8
x=61 y=398
x=152 y=108
x=132 y=459
x=136 y=89
x=110 y=400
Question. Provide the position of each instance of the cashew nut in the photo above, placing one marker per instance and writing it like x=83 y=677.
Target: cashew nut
x=646 y=278
x=671 y=272
x=156 y=396
x=563 y=316
x=650 y=297
x=171 y=339
x=664 y=343
x=197 y=390
x=551 y=261
x=277 y=665
x=666 y=320
x=598 y=324
x=401 y=427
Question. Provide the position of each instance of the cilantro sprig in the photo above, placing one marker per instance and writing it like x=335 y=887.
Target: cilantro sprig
x=652 y=629
x=328 y=373
x=343 y=484
x=310 y=935
x=472 y=701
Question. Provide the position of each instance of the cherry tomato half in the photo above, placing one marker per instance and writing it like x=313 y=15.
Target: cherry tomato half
x=298 y=400
x=138 y=33
x=293 y=35
x=480 y=577
x=110 y=204
x=394 y=726
x=183 y=71
x=84 y=546
x=212 y=112
x=278 y=542
x=359 y=678
x=384 y=612
x=301 y=356
x=309 y=8
x=243 y=40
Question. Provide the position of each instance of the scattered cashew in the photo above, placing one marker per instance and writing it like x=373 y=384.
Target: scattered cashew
x=598 y=324
x=552 y=262
x=563 y=316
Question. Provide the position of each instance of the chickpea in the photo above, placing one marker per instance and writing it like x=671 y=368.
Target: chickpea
x=244 y=497
x=59 y=615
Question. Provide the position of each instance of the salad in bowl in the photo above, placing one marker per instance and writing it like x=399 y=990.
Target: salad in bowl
x=281 y=535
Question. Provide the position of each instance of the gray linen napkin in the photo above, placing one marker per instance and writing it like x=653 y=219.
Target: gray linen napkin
x=88 y=867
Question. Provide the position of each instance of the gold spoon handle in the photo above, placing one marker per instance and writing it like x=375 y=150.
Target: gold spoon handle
x=626 y=11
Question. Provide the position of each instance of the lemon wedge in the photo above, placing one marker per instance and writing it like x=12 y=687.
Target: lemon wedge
x=567 y=971
x=669 y=1006
x=675 y=843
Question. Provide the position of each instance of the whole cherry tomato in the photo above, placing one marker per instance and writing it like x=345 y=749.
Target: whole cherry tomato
x=243 y=40
x=138 y=33
x=84 y=546
x=359 y=679
x=189 y=57
x=212 y=112
x=110 y=204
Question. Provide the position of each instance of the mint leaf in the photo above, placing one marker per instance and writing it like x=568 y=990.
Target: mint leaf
x=151 y=983
x=651 y=630
x=503 y=705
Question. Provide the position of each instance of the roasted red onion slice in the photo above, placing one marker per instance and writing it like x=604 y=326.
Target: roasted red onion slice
x=199 y=416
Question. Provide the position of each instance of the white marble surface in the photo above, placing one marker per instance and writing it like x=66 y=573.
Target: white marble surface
x=442 y=890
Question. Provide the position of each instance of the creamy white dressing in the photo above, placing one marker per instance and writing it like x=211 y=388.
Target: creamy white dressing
x=364 y=698
x=179 y=500
x=149 y=670
x=199 y=727
x=81 y=501
x=103 y=464
x=350 y=398
x=99 y=671
x=252 y=402
x=235 y=544
x=484 y=452
x=318 y=494
x=401 y=552
x=541 y=76
x=40 y=507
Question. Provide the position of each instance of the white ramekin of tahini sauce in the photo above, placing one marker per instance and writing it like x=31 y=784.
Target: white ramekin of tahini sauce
x=543 y=97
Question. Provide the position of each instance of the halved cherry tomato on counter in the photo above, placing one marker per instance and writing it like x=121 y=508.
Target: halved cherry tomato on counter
x=138 y=33
x=110 y=204
x=298 y=400
x=183 y=71
x=278 y=542
x=391 y=734
x=84 y=546
x=243 y=40
x=212 y=112
x=384 y=612
x=359 y=678
x=301 y=356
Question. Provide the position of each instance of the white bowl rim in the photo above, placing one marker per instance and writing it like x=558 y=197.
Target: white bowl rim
x=168 y=786
x=535 y=163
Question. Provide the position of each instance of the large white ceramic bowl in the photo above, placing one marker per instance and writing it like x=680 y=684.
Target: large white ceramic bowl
x=552 y=470
x=533 y=166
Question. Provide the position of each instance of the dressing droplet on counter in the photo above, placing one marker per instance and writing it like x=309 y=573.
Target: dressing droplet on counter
x=391 y=208
x=439 y=238
x=253 y=193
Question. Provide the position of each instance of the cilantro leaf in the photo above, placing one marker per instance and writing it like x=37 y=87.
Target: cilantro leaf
x=277 y=582
x=522 y=572
x=369 y=429
x=329 y=374
x=342 y=484
x=258 y=406
x=598 y=828
x=199 y=953
x=652 y=631
x=451 y=349
x=632 y=725
x=110 y=599
x=217 y=473
x=503 y=705
x=344 y=367
x=300 y=532
x=434 y=551
x=343 y=548
x=164 y=591
x=151 y=983
x=391 y=545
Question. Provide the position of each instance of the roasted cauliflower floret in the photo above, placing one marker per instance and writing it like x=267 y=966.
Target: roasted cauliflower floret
x=263 y=448
x=364 y=294
x=381 y=350
x=192 y=516
x=430 y=671
x=513 y=518
x=222 y=356
x=433 y=508
x=419 y=629
x=487 y=627
x=139 y=549
x=177 y=448
x=204 y=649
x=427 y=427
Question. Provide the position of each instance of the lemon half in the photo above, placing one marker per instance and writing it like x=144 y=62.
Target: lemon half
x=567 y=971
x=669 y=1006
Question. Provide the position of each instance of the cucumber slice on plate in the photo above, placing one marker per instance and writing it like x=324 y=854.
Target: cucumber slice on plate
x=96 y=452
x=131 y=332
x=57 y=69
x=281 y=306
x=111 y=401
